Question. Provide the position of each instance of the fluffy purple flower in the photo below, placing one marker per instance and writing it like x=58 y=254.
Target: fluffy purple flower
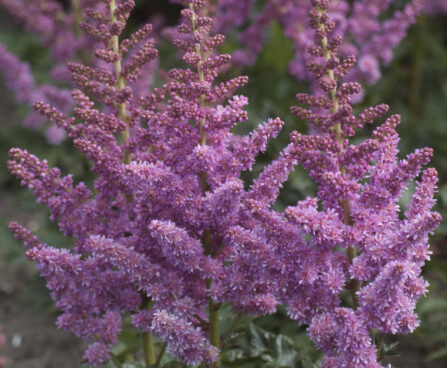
x=183 y=339
x=167 y=190
x=17 y=75
x=344 y=339
x=350 y=237
x=168 y=233
x=388 y=302
x=97 y=354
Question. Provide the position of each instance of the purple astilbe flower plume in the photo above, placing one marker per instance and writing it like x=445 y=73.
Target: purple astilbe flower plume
x=181 y=336
x=153 y=235
x=343 y=331
x=356 y=238
x=18 y=77
x=168 y=233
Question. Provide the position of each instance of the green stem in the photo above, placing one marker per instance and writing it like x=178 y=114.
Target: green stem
x=76 y=9
x=148 y=339
x=214 y=327
x=354 y=285
x=380 y=339
x=206 y=237
x=149 y=350
x=121 y=83
x=160 y=354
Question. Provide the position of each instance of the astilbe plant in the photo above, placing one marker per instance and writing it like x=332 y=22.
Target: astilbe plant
x=152 y=236
x=168 y=233
x=352 y=236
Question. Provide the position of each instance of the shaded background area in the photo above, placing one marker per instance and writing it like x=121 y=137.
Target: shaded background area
x=414 y=85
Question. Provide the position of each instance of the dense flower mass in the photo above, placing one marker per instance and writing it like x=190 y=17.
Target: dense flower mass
x=167 y=191
x=168 y=232
x=358 y=240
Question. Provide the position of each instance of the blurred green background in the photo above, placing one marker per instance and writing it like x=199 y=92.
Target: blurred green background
x=414 y=85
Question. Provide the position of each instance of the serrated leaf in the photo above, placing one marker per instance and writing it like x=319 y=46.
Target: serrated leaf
x=274 y=350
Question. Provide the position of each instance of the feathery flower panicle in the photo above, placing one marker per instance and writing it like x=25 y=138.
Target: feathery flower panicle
x=343 y=331
x=181 y=336
x=59 y=32
x=168 y=233
x=19 y=79
x=355 y=237
x=153 y=235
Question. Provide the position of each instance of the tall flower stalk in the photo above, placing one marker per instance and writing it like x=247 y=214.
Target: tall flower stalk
x=356 y=238
x=151 y=239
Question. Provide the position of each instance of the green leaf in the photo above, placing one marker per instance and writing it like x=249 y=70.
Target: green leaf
x=275 y=350
x=128 y=343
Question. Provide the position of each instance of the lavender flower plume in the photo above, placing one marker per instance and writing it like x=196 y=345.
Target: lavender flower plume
x=64 y=32
x=350 y=237
x=182 y=336
x=19 y=79
x=154 y=229
x=344 y=339
x=168 y=233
